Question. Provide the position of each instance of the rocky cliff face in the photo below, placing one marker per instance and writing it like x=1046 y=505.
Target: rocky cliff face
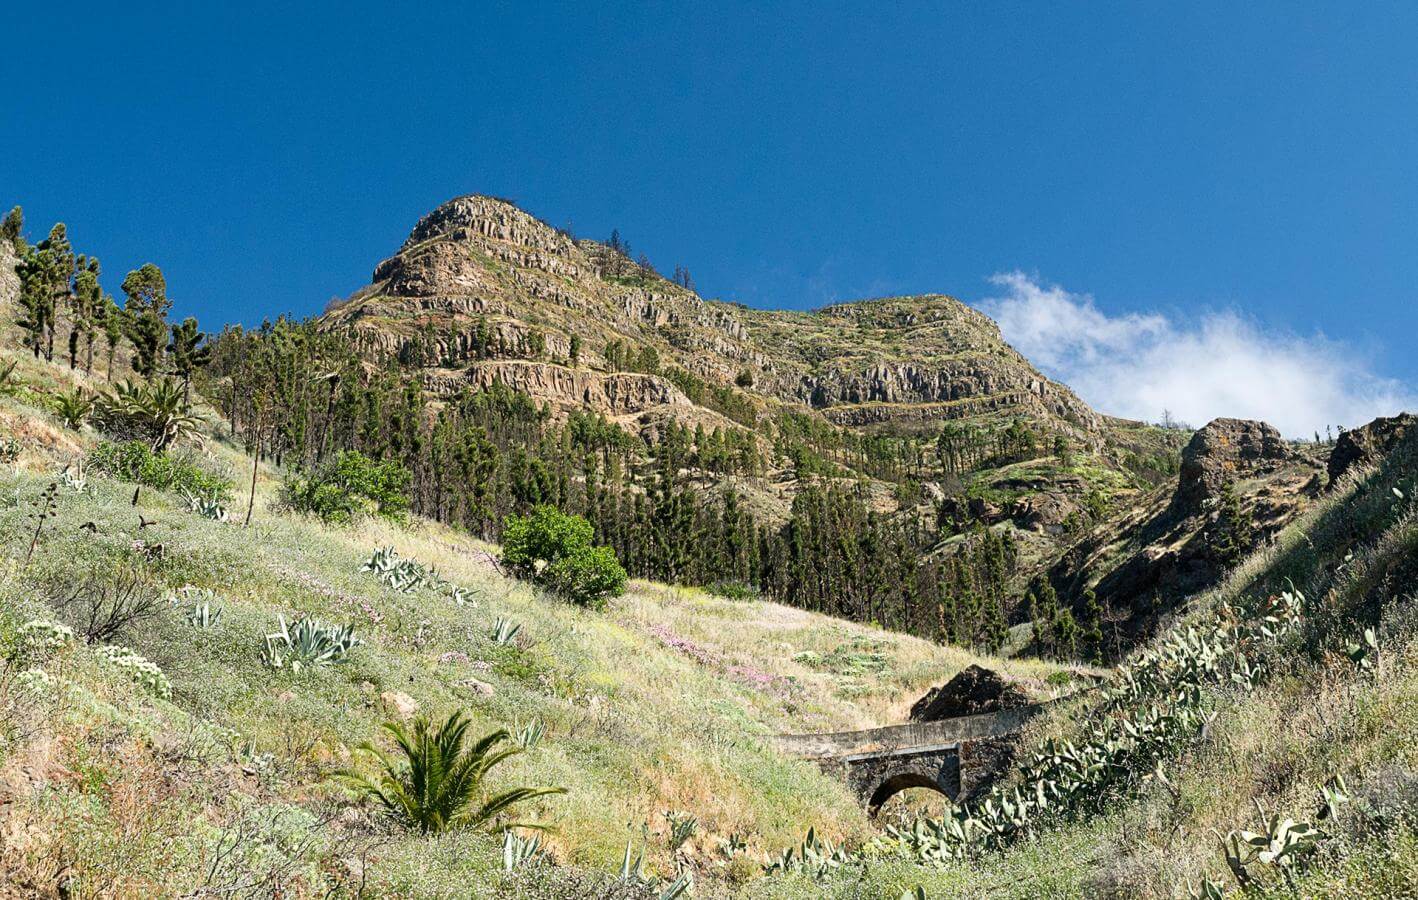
x=9 y=281
x=479 y=279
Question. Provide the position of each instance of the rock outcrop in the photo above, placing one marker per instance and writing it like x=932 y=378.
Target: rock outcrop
x=1226 y=450
x=1368 y=444
x=973 y=690
x=1141 y=564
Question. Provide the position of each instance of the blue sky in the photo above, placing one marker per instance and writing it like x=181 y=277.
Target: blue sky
x=1195 y=162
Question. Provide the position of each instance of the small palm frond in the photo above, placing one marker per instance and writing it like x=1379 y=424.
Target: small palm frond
x=73 y=407
x=438 y=783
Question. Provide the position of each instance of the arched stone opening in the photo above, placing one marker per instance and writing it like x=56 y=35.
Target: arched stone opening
x=897 y=783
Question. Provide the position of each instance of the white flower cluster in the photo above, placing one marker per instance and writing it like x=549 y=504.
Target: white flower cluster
x=139 y=668
x=34 y=681
x=39 y=638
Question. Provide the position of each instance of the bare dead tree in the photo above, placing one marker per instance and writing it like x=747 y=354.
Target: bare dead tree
x=103 y=604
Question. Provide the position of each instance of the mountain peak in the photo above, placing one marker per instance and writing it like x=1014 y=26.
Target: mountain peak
x=478 y=214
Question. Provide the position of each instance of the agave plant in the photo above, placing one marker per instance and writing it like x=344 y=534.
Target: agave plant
x=813 y=857
x=632 y=874
x=73 y=407
x=403 y=575
x=682 y=828
x=504 y=631
x=461 y=595
x=438 y=785
x=518 y=851
x=206 y=506
x=530 y=735
x=308 y=642
x=73 y=478
x=204 y=615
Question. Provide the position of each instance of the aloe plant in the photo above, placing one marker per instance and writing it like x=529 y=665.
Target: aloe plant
x=438 y=785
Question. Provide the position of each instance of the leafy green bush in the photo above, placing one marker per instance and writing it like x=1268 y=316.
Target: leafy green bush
x=555 y=550
x=588 y=576
x=135 y=461
x=350 y=486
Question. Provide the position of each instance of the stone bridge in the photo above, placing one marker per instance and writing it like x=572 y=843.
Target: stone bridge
x=954 y=756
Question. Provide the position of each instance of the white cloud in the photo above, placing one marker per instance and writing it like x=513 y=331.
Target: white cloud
x=1221 y=364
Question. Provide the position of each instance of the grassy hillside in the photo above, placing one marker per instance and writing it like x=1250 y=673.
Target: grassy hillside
x=659 y=704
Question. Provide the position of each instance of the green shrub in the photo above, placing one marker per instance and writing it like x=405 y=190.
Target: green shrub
x=348 y=487
x=135 y=461
x=589 y=576
x=554 y=550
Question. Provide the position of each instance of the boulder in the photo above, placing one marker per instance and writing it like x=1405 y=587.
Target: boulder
x=400 y=704
x=972 y=691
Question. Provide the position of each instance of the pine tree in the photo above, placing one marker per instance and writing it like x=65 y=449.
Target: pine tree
x=146 y=317
x=45 y=273
x=12 y=227
x=113 y=320
x=1065 y=634
x=187 y=352
x=996 y=626
x=1092 y=637
x=1044 y=611
x=1232 y=530
x=85 y=304
x=35 y=302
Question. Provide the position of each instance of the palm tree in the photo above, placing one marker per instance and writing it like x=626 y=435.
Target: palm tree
x=156 y=411
x=168 y=414
x=73 y=407
x=439 y=784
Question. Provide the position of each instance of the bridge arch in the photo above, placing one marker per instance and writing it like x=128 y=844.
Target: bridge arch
x=895 y=784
